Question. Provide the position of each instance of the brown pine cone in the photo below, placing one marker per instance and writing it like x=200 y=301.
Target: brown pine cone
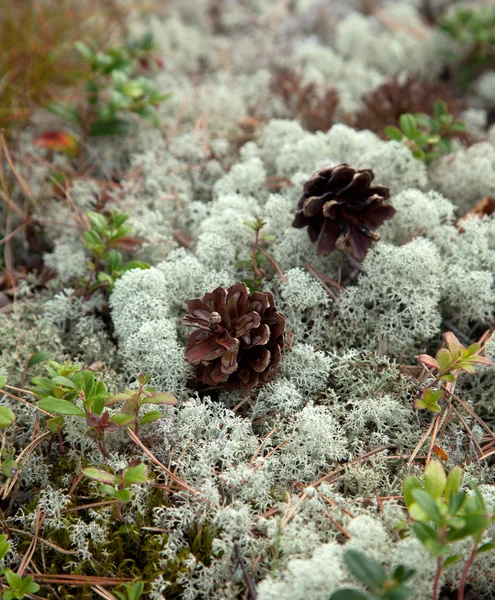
x=342 y=210
x=239 y=339
x=394 y=98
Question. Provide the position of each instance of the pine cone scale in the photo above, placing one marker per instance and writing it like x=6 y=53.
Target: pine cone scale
x=340 y=209
x=239 y=338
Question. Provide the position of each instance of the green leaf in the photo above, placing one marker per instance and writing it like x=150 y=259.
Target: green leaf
x=435 y=479
x=84 y=50
x=67 y=111
x=135 y=474
x=150 y=416
x=61 y=407
x=114 y=258
x=453 y=483
x=108 y=490
x=100 y=475
x=161 y=398
x=7 y=417
x=365 y=569
x=475 y=525
x=428 y=505
x=408 y=125
x=450 y=560
x=458 y=127
x=9 y=467
x=97 y=220
x=123 y=495
x=64 y=381
x=134 y=264
x=479 y=501
x=121 y=397
x=348 y=594
x=410 y=484
x=110 y=127
x=488 y=547
x=36 y=358
x=444 y=358
x=122 y=419
x=456 y=502
x=3 y=381
x=450 y=378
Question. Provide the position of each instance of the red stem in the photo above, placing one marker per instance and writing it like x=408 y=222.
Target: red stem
x=436 y=582
x=465 y=571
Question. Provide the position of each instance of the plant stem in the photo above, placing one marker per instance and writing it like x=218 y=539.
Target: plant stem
x=436 y=581
x=465 y=571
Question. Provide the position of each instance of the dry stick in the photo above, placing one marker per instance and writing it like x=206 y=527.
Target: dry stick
x=42 y=541
x=333 y=503
x=323 y=284
x=25 y=453
x=436 y=423
x=25 y=401
x=326 y=278
x=102 y=592
x=270 y=453
x=352 y=462
x=92 y=505
x=420 y=443
x=338 y=525
x=79 y=580
x=32 y=546
x=466 y=427
x=251 y=586
x=25 y=187
x=258 y=450
x=153 y=458
x=470 y=411
x=274 y=264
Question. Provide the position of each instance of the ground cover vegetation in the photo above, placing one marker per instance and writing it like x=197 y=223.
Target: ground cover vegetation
x=247 y=300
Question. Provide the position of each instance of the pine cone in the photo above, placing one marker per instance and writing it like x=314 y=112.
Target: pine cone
x=392 y=99
x=342 y=210
x=239 y=339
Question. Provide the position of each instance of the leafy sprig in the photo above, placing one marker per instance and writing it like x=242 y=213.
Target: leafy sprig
x=427 y=136
x=443 y=514
x=105 y=233
x=372 y=574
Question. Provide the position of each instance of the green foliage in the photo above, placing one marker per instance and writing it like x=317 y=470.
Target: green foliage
x=372 y=574
x=258 y=256
x=104 y=234
x=427 y=136
x=443 y=514
x=119 y=485
x=112 y=92
x=67 y=383
x=18 y=587
x=133 y=400
x=447 y=364
x=131 y=591
x=474 y=28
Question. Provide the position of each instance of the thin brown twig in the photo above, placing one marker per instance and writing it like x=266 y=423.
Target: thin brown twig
x=340 y=527
x=274 y=264
x=349 y=464
x=153 y=458
x=420 y=443
x=258 y=450
x=323 y=284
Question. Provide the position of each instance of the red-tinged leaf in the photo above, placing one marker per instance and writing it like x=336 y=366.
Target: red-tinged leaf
x=437 y=451
x=480 y=360
x=58 y=141
x=453 y=344
x=100 y=475
x=428 y=361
